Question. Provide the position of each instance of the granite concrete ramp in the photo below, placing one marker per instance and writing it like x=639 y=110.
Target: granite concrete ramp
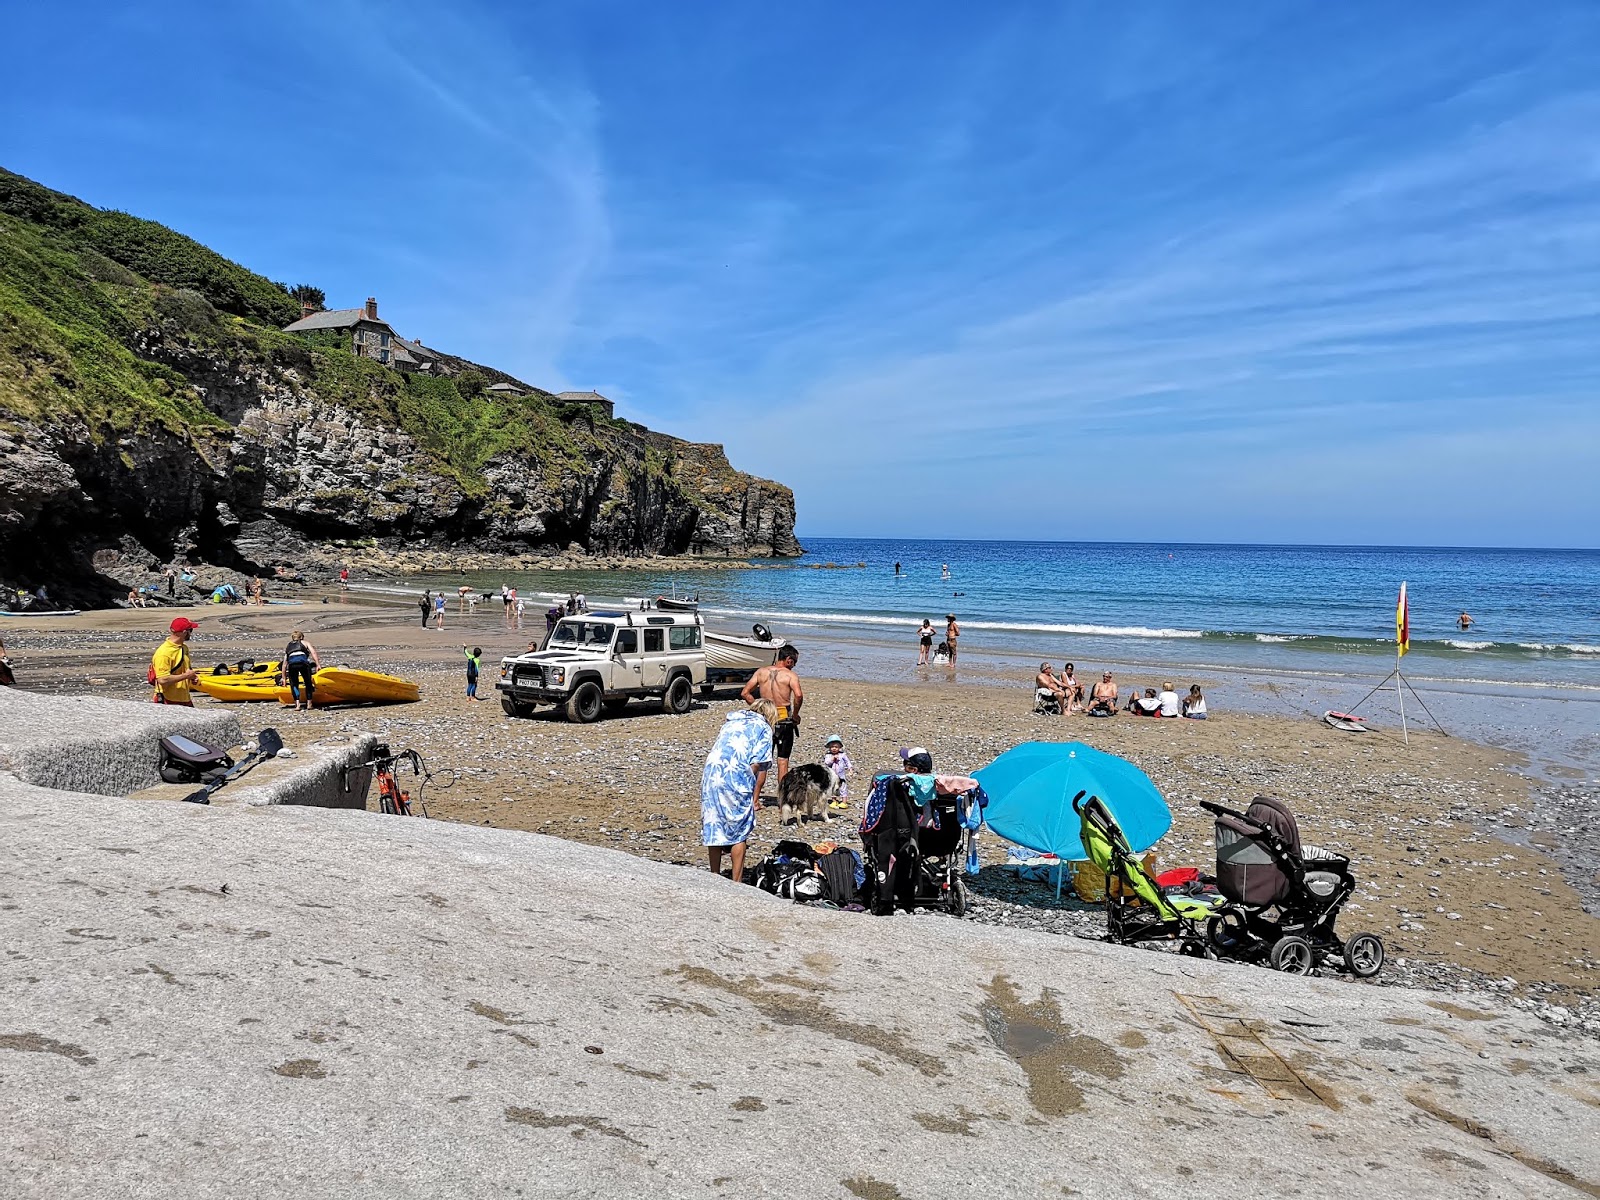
x=282 y=1001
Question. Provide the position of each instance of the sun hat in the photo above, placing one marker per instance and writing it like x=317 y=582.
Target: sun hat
x=182 y=625
x=831 y=739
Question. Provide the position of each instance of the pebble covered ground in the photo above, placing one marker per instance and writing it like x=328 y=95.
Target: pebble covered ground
x=1476 y=879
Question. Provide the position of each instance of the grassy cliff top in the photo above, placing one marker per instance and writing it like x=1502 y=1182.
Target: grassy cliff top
x=102 y=315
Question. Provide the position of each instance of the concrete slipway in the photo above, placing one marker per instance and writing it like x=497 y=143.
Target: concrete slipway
x=287 y=1001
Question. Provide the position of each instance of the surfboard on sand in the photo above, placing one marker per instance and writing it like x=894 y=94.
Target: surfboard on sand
x=1345 y=721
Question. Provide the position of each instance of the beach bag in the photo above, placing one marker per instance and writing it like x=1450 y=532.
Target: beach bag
x=184 y=760
x=839 y=873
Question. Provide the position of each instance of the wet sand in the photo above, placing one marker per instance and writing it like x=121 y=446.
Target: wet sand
x=1432 y=828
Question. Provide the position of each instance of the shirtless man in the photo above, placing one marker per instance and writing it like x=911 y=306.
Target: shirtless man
x=951 y=632
x=1464 y=621
x=1046 y=681
x=779 y=684
x=1104 y=697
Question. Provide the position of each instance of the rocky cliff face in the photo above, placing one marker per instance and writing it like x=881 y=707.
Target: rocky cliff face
x=151 y=412
x=289 y=473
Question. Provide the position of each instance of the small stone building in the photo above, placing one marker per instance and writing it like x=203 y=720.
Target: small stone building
x=370 y=337
x=606 y=406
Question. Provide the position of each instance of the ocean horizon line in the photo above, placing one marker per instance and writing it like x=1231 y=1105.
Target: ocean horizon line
x=978 y=541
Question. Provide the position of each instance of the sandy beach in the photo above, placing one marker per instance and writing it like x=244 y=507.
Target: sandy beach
x=1452 y=875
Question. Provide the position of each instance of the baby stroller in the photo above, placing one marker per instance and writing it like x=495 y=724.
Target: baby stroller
x=912 y=850
x=1138 y=909
x=1285 y=894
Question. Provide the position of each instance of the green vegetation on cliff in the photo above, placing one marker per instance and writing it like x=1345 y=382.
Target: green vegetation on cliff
x=149 y=395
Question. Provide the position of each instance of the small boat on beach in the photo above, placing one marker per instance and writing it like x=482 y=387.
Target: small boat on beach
x=673 y=604
x=1346 y=722
x=343 y=685
x=52 y=612
x=734 y=653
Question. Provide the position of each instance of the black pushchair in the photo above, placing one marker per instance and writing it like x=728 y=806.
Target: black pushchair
x=1286 y=894
x=913 y=853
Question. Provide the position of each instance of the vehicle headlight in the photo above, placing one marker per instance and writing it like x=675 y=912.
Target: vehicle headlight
x=504 y=670
x=558 y=675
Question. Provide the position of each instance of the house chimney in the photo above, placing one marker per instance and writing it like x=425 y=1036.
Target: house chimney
x=372 y=308
x=306 y=309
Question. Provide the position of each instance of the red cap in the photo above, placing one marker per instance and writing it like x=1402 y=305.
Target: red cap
x=182 y=625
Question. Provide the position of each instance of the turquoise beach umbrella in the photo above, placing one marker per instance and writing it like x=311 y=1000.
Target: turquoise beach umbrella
x=1031 y=787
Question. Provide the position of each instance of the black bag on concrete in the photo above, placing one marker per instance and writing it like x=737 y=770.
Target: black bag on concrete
x=839 y=876
x=184 y=760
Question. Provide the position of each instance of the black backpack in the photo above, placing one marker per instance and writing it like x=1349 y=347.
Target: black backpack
x=839 y=876
x=184 y=760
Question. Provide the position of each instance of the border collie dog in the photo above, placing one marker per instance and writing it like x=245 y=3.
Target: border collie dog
x=805 y=793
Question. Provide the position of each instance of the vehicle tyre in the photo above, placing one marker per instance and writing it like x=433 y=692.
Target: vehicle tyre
x=1293 y=955
x=583 y=706
x=1364 y=955
x=956 y=902
x=513 y=709
x=679 y=696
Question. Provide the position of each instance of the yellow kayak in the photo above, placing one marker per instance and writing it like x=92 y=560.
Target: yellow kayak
x=342 y=685
x=234 y=686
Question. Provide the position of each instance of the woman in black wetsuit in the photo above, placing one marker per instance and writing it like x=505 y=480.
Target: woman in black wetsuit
x=300 y=663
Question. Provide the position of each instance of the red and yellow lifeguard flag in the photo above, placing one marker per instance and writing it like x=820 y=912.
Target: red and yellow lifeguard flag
x=1402 y=624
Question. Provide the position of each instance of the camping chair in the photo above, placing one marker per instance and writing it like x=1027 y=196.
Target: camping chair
x=1046 y=701
x=1141 y=910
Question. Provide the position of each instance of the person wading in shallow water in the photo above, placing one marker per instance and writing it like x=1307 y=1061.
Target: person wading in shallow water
x=779 y=684
x=951 y=632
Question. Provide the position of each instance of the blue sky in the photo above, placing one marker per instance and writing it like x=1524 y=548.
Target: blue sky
x=1166 y=271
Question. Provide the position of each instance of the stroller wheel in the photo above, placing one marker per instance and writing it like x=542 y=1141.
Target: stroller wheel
x=1224 y=935
x=1293 y=955
x=1363 y=955
x=956 y=902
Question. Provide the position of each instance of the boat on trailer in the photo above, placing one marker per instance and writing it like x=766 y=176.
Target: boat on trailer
x=731 y=656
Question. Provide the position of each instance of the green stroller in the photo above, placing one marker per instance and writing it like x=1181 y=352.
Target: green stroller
x=1138 y=909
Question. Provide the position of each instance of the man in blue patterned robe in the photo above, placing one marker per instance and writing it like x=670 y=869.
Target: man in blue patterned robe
x=730 y=786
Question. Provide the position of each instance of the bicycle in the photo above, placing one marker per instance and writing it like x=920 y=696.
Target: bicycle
x=393 y=800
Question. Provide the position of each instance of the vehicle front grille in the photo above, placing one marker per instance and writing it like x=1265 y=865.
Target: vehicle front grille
x=530 y=677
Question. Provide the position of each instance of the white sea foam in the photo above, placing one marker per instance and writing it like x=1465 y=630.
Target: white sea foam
x=1468 y=645
x=1283 y=637
x=910 y=623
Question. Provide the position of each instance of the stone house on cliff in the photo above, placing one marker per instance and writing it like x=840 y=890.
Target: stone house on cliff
x=370 y=337
x=606 y=406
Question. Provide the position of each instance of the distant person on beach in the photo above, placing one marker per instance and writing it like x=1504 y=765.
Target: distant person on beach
x=780 y=685
x=944 y=570
x=925 y=642
x=951 y=632
x=897 y=568
x=256 y=590
x=583 y=603
x=425 y=603
x=172 y=582
x=300 y=664
x=1074 y=689
x=344 y=578
x=731 y=783
x=135 y=598
x=551 y=616
x=517 y=612
x=1103 y=700
x=438 y=611
x=474 y=659
x=1464 y=621
x=1170 y=705
x=572 y=603
x=463 y=598
x=1194 y=704
x=1146 y=705
x=170 y=670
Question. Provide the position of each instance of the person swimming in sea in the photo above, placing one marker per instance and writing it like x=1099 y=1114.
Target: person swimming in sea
x=1464 y=621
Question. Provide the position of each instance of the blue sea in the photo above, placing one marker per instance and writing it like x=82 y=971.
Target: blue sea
x=1273 y=628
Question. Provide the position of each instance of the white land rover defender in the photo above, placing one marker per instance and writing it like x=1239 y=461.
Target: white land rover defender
x=599 y=661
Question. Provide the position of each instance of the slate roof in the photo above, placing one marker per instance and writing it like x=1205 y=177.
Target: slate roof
x=330 y=318
x=416 y=350
x=506 y=387
x=583 y=397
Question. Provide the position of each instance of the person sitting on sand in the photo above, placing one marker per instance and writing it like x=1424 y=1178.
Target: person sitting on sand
x=1147 y=705
x=1194 y=704
x=1170 y=706
x=1046 y=684
x=1074 y=689
x=135 y=599
x=1103 y=700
